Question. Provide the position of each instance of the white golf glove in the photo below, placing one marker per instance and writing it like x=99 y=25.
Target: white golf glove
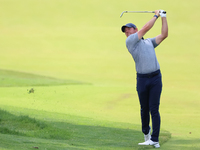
x=162 y=13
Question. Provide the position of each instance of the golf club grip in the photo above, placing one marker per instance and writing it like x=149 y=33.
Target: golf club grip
x=164 y=12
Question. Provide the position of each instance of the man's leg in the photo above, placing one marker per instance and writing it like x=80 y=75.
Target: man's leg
x=143 y=95
x=154 y=102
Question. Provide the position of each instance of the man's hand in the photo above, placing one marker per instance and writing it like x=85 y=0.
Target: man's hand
x=157 y=13
x=162 y=13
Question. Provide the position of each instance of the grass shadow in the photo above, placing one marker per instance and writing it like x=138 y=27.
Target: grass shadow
x=70 y=135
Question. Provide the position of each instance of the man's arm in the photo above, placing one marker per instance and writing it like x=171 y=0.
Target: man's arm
x=148 y=25
x=164 y=31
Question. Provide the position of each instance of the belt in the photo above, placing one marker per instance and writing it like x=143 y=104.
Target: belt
x=148 y=75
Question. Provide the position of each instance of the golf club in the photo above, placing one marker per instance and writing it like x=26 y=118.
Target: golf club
x=137 y=12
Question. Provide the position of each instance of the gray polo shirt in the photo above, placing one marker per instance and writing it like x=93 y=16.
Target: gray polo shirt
x=143 y=53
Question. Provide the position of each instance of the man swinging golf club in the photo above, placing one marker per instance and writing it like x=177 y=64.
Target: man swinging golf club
x=149 y=80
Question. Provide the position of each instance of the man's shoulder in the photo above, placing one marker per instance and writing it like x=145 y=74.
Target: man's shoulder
x=131 y=39
x=132 y=36
x=132 y=42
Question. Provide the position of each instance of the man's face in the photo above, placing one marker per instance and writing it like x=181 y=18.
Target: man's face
x=129 y=31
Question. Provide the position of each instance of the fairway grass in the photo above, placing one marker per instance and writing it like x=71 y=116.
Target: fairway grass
x=77 y=133
x=17 y=79
x=67 y=80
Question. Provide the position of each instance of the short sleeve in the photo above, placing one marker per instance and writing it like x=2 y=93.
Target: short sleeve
x=153 y=40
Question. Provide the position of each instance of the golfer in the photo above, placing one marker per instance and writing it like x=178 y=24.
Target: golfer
x=149 y=80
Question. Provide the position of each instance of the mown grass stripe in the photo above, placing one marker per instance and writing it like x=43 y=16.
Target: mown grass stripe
x=10 y=78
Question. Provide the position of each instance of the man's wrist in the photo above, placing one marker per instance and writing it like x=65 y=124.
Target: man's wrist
x=155 y=16
x=163 y=16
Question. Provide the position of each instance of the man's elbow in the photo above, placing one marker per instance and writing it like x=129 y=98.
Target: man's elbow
x=164 y=36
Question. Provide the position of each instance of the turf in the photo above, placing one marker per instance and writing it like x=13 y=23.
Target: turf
x=87 y=134
x=72 y=54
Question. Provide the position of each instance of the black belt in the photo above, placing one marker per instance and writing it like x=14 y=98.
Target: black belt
x=148 y=75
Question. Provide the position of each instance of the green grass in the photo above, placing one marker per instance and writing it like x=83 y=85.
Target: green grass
x=26 y=126
x=90 y=135
x=73 y=55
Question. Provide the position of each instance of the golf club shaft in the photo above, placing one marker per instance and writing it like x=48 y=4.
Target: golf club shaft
x=137 y=12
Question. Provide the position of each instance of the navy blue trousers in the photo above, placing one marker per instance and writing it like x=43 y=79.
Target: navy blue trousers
x=149 y=88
